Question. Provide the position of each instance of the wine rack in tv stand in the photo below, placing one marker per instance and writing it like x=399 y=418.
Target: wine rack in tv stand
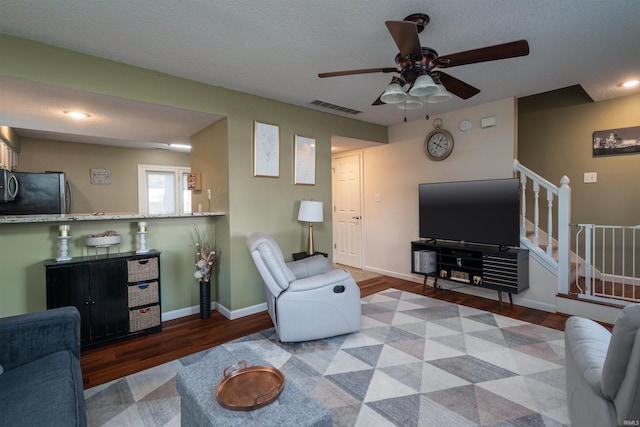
x=483 y=266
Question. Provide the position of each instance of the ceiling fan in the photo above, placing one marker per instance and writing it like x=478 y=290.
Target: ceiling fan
x=419 y=66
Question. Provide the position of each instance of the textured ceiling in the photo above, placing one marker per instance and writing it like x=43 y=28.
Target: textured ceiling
x=276 y=48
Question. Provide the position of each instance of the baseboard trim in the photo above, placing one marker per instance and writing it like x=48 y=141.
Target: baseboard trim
x=409 y=277
x=183 y=312
x=585 y=308
x=470 y=290
x=246 y=311
x=229 y=314
x=493 y=295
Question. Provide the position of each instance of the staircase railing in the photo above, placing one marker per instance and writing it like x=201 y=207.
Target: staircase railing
x=611 y=261
x=555 y=251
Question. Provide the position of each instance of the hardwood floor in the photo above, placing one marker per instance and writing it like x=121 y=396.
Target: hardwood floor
x=189 y=335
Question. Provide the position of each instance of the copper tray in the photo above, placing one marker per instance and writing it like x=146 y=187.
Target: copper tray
x=249 y=387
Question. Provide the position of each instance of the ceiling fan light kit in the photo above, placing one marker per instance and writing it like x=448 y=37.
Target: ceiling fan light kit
x=423 y=86
x=394 y=93
x=411 y=103
x=415 y=65
x=441 y=95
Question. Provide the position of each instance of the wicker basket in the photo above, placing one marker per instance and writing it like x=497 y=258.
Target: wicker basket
x=144 y=318
x=142 y=269
x=143 y=294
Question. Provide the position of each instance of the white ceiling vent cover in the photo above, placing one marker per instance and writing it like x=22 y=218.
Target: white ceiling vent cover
x=325 y=104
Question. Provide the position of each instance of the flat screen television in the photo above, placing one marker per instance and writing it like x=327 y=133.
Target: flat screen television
x=482 y=212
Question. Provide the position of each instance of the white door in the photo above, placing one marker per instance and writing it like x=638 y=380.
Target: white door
x=347 y=216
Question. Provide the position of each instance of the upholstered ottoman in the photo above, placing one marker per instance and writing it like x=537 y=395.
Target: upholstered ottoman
x=197 y=384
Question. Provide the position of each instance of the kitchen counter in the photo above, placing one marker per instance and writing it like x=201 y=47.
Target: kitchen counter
x=27 y=241
x=22 y=219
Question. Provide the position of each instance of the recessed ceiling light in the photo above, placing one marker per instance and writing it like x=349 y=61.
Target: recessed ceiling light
x=184 y=146
x=77 y=114
x=630 y=83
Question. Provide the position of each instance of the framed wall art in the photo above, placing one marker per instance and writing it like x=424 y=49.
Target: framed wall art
x=100 y=176
x=266 y=150
x=616 y=141
x=305 y=160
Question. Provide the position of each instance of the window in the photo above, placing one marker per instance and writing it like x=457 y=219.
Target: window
x=163 y=189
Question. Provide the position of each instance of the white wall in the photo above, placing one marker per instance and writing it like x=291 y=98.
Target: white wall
x=395 y=170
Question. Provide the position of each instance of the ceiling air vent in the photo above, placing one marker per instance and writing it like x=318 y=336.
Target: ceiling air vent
x=331 y=106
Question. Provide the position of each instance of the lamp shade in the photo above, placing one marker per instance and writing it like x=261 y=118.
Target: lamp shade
x=411 y=103
x=310 y=211
x=394 y=94
x=440 y=95
x=423 y=86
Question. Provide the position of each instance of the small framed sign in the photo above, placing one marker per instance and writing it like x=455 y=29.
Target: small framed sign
x=100 y=176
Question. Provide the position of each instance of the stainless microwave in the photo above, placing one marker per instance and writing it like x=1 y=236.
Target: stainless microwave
x=8 y=186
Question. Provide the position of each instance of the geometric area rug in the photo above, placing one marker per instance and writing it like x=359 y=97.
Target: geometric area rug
x=417 y=361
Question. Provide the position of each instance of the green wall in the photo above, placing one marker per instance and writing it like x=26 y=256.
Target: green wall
x=25 y=248
x=209 y=157
x=555 y=139
x=76 y=160
x=266 y=204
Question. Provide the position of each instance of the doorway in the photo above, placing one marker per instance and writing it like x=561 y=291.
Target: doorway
x=347 y=209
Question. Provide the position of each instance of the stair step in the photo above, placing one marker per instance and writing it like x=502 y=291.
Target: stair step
x=605 y=313
x=615 y=290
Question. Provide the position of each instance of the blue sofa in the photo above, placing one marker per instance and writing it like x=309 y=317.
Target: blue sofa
x=40 y=379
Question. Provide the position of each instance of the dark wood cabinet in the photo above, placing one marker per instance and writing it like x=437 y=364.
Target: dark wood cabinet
x=111 y=304
x=490 y=267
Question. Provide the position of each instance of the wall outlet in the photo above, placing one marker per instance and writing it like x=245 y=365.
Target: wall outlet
x=377 y=198
x=208 y=194
x=590 y=177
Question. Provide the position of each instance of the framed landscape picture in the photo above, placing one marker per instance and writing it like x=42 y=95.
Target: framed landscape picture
x=266 y=150
x=616 y=141
x=305 y=160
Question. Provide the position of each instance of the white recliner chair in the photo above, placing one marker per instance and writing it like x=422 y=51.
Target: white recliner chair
x=307 y=299
x=603 y=370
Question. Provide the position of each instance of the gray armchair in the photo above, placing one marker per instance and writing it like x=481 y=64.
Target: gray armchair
x=603 y=370
x=41 y=379
x=306 y=299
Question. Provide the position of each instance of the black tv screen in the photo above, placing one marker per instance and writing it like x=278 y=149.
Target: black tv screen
x=484 y=211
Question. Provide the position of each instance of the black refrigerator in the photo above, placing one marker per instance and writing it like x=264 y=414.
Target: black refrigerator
x=39 y=193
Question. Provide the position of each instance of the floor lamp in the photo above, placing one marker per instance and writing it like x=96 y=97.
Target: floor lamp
x=310 y=211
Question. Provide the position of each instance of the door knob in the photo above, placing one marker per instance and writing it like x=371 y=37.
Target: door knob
x=355 y=217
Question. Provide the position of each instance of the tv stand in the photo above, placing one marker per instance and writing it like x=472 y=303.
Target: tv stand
x=503 y=268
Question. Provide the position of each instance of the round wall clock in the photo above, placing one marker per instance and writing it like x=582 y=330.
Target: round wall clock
x=438 y=144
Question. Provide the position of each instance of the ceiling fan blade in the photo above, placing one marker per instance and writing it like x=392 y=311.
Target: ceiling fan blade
x=361 y=71
x=457 y=87
x=378 y=101
x=489 y=53
x=405 y=34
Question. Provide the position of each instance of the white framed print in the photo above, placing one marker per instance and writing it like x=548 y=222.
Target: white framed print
x=100 y=176
x=266 y=150
x=305 y=160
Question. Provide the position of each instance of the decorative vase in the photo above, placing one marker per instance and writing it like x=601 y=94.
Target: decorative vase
x=205 y=299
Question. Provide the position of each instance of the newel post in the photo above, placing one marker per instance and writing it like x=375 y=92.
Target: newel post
x=564 y=234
